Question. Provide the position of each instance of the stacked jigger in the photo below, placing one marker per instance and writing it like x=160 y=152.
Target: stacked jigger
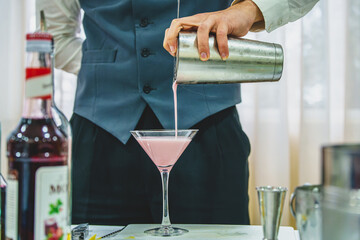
x=331 y=211
x=341 y=198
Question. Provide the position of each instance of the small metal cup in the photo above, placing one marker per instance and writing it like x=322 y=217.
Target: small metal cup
x=249 y=61
x=271 y=204
x=307 y=212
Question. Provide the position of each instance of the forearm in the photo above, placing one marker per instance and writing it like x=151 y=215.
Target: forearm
x=63 y=20
x=68 y=53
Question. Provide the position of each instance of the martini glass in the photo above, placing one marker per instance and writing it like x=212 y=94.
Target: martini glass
x=164 y=147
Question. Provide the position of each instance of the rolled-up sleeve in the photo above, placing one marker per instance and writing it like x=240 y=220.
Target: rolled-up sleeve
x=280 y=12
x=63 y=22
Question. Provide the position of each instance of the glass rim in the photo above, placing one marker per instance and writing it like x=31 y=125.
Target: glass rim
x=164 y=130
x=271 y=189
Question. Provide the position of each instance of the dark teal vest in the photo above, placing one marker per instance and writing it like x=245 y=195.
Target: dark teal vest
x=124 y=66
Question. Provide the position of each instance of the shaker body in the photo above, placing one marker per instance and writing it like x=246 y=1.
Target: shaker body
x=249 y=61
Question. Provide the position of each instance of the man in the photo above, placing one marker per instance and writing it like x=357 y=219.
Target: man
x=124 y=83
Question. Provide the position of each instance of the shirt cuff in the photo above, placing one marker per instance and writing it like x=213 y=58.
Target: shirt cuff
x=276 y=13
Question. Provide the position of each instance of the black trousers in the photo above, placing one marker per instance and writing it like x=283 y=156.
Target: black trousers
x=118 y=184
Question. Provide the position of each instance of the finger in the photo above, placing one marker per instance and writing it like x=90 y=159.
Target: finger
x=203 y=38
x=171 y=38
x=176 y=26
x=222 y=40
x=165 y=43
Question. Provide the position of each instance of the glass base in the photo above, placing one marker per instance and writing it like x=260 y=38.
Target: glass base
x=166 y=231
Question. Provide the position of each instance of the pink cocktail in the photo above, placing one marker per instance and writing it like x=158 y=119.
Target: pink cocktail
x=164 y=147
x=164 y=151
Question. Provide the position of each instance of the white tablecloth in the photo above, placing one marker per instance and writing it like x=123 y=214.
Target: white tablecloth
x=196 y=232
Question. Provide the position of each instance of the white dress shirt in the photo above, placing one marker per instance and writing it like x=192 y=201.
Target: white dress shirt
x=280 y=12
x=63 y=19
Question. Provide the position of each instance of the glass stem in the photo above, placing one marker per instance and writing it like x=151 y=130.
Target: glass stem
x=165 y=180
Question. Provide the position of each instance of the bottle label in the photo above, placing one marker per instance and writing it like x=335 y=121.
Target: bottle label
x=38 y=83
x=39 y=42
x=51 y=202
x=12 y=201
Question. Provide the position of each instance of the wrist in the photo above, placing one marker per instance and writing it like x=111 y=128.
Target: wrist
x=251 y=8
x=256 y=10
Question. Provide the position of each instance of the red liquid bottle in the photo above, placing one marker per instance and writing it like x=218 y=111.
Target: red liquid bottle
x=2 y=209
x=2 y=200
x=37 y=202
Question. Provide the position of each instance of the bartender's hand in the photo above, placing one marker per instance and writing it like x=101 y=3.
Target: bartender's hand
x=235 y=20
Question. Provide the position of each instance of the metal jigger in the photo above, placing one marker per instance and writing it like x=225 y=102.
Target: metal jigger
x=271 y=203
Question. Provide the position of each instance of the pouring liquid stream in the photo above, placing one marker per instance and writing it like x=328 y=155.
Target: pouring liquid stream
x=174 y=86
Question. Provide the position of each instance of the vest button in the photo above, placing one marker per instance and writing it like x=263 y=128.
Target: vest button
x=144 y=22
x=145 y=52
x=147 y=89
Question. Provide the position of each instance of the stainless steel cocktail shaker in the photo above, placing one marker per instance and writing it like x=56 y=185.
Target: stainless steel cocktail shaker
x=249 y=61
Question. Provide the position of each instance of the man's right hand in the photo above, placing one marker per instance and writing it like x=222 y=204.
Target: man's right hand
x=235 y=20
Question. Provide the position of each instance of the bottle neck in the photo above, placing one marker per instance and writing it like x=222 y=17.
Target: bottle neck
x=37 y=108
x=38 y=86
